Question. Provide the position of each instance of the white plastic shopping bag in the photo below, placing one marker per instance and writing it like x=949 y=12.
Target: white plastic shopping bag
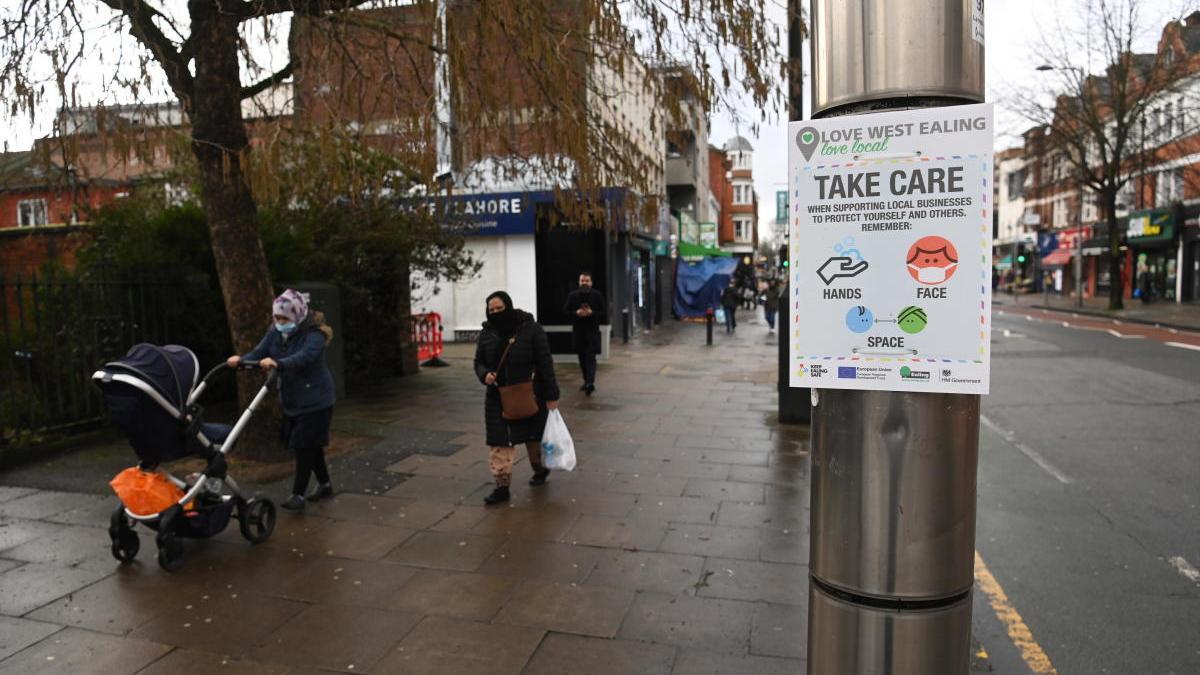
x=558 y=450
x=719 y=315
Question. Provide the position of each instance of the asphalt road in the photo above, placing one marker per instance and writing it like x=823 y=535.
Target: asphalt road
x=1089 y=492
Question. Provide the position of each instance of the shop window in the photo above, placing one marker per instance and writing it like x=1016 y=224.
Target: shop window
x=32 y=213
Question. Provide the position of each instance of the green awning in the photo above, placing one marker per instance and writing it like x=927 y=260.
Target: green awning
x=687 y=250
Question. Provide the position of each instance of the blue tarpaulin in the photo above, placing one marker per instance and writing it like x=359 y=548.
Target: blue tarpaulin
x=698 y=285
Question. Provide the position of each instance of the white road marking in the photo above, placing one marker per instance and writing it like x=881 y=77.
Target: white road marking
x=1173 y=331
x=1185 y=568
x=1182 y=345
x=1066 y=325
x=1009 y=334
x=1123 y=336
x=1026 y=450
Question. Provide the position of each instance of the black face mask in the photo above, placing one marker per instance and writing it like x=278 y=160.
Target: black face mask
x=504 y=321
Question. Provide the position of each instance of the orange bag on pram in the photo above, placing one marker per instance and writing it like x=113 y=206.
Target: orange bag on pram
x=145 y=492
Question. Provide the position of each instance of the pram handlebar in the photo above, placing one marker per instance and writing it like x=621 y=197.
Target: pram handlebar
x=220 y=367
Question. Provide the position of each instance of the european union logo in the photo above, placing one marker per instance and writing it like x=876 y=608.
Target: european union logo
x=847 y=372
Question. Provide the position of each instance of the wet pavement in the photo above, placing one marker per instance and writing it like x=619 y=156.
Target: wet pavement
x=678 y=545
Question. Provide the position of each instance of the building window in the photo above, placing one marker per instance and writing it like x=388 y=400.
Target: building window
x=31 y=213
x=1168 y=188
x=1016 y=185
x=743 y=194
x=1060 y=213
x=741 y=230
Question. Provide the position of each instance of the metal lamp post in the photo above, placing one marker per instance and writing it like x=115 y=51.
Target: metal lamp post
x=893 y=473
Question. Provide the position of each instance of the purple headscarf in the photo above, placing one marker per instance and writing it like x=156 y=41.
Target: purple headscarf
x=293 y=305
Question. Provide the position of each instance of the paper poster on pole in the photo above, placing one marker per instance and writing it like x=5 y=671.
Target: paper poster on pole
x=891 y=239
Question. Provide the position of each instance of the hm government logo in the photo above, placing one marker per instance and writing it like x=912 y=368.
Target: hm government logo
x=910 y=374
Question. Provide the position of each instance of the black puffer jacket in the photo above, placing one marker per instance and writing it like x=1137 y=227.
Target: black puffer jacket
x=529 y=356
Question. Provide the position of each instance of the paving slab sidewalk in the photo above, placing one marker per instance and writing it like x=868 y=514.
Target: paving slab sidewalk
x=665 y=551
x=678 y=545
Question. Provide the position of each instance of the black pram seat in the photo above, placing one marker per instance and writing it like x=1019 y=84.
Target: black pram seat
x=146 y=396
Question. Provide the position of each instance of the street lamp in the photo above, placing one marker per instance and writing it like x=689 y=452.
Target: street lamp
x=1079 y=221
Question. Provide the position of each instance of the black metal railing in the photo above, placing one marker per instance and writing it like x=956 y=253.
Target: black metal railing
x=56 y=328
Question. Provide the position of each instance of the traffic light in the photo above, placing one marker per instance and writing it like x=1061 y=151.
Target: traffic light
x=1021 y=253
x=784 y=260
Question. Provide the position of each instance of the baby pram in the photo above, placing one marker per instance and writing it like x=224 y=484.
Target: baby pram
x=151 y=394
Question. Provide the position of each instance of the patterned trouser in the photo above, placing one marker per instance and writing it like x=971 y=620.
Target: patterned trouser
x=500 y=461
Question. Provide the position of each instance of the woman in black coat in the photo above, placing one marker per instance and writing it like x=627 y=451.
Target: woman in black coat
x=528 y=357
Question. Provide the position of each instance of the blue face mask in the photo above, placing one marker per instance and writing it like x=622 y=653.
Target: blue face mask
x=286 y=328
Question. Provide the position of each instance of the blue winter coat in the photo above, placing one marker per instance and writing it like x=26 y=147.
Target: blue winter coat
x=305 y=383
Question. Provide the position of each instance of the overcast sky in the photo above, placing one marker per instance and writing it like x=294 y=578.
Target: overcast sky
x=1013 y=29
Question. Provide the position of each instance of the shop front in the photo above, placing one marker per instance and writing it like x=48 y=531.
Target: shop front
x=1189 y=248
x=529 y=248
x=1153 y=254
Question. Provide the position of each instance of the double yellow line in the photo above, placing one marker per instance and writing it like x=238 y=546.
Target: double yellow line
x=1018 y=632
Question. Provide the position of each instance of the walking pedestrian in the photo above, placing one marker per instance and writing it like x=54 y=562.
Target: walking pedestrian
x=295 y=346
x=512 y=349
x=729 y=302
x=771 y=304
x=587 y=309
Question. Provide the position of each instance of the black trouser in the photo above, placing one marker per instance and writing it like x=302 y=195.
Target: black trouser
x=587 y=363
x=730 y=319
x=309 y=461
x=306 y=435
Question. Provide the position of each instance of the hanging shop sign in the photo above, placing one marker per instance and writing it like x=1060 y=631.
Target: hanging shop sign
x=890 y=225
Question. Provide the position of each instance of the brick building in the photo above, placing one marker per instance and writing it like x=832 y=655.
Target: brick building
x=509 y=140
x=739 y=215
x=1158 y=210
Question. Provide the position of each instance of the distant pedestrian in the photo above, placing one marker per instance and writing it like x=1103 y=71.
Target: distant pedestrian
x=295 y=345
x=588 y=311
x=771 y=304
x=512 y=349
x=729 y=302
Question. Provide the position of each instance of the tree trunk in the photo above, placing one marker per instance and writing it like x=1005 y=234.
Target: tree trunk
x=1116 y=288
x=220 y=145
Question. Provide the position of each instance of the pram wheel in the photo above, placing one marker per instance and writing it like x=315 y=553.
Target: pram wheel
x=125 y=542
x=256 y=519
x=170 y=552
x=170 y=547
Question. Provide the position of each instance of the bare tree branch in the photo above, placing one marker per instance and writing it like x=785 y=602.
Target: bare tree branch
x=141 y=21
x=268 y=82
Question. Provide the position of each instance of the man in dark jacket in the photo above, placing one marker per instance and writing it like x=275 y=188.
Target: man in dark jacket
x=729 y=302
x=586 y=307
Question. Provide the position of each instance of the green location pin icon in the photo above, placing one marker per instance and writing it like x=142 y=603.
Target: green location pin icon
x=807 y=140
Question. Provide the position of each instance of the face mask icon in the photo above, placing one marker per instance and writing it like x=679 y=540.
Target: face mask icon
x=933 y=275
x=932 y=260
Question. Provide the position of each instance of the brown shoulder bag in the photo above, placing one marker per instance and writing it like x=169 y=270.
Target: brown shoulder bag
x=517 y=401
